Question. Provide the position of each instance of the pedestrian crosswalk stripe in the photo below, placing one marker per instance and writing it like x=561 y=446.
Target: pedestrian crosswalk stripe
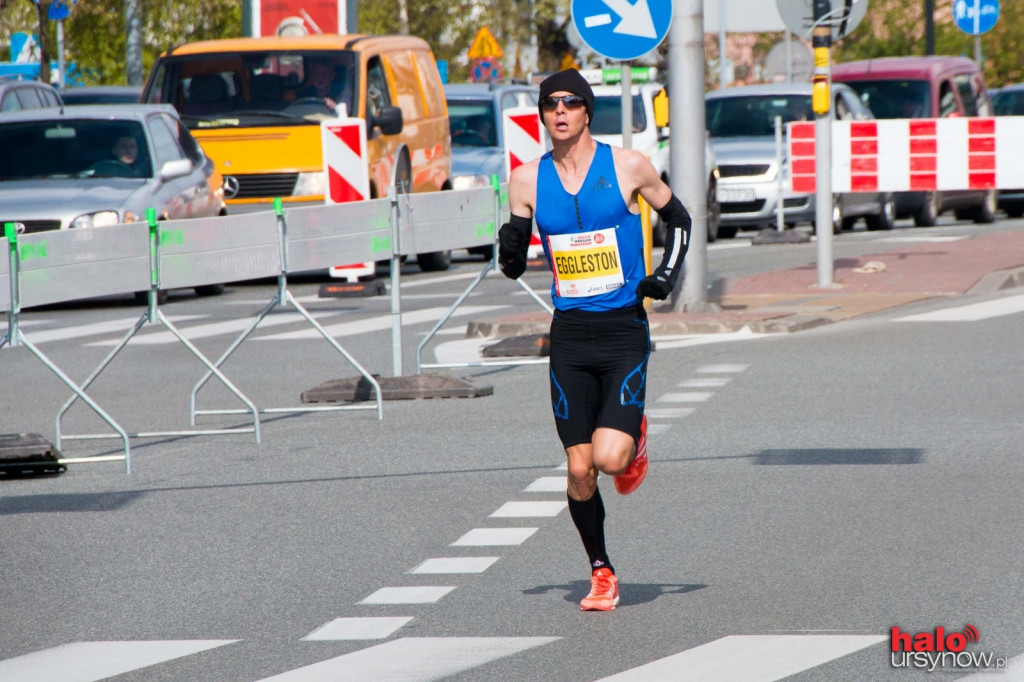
x=749 y=658
x=91 y=661
x=357 y=628
x=668 y=412
x=408 y=595
x=517 y=509
x=485 y=537
x=705 y=382
x=465 y=564
x=655 y=429
x=413 y=659
x=547 y=484
x=721 y=369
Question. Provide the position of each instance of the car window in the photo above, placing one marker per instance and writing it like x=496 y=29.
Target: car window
x=947 y=100
x=1009 y=103
x=165 y=143
x=187 y=143
x=378 y=95
x=842 y=109
x=50 y=99
x=10 y=102
x=69 y=147
x=509 y=100
x=895 y=98
x=29 y=98
x=968 y=96
x=754 y=115
x=472 y=122
x=608 y=115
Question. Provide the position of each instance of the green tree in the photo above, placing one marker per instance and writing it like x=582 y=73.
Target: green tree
x=897 y=27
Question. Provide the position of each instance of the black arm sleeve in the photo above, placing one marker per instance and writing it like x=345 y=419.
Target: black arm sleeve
x=677 y=238
x=513 y=245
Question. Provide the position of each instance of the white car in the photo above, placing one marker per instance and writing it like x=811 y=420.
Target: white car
x=650 y=139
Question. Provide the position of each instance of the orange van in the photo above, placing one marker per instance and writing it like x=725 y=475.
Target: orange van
x=255 y=105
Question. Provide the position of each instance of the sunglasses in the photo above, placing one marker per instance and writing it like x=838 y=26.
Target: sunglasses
x=571 y=102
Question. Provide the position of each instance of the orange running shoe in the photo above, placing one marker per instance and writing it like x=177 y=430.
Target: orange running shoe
x=630 y=479
x=604 y=591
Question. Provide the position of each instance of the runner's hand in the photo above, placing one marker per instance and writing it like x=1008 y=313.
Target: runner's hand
x=654 y=286
x=513 y=244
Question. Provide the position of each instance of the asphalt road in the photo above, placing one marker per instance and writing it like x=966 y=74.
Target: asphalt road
x=808 y=493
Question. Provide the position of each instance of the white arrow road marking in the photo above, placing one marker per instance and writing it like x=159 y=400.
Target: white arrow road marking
x=413 y=659
x=748 y=658
x=636 y=19
x=91 y=661
x=971 y=313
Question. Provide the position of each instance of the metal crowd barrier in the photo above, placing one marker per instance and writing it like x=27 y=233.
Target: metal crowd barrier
x=65 y=265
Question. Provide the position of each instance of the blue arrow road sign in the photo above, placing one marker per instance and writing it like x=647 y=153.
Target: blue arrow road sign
x=975 y=16
x=620 y=29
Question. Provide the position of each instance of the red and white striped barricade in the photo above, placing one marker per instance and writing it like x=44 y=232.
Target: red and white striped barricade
x=914 y=155
x=524 y=142
x=347 y=177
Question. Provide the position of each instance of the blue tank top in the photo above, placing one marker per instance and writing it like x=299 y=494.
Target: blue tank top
x=577 y=232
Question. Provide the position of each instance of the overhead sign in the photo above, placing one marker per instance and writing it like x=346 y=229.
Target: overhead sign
x=799 y=16
x=484 y=45
x=975 y=16
x=619 y=29
x=299 y=17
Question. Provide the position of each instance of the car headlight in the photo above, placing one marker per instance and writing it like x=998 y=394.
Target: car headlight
x=99 y=219
x=470 y=181
x=309 y=184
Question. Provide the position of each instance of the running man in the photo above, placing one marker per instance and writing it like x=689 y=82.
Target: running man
x=584 y=196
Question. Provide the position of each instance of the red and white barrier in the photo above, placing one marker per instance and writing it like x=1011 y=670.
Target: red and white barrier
x=347 y=177
x=901 y=155
x=524 y=142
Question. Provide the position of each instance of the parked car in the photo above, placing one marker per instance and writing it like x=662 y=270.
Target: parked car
x=741 y=121
x=478 y=143
x=1009 y=101
x=256 y=104
x=101 y=94
x=19 y=94
x=650 y=135
x=925 y=87
x=87 y=167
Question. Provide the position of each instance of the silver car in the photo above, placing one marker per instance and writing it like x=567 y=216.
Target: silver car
x=90 y=166
x=741 y=121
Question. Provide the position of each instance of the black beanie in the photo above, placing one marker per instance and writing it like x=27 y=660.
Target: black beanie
x=569 y=80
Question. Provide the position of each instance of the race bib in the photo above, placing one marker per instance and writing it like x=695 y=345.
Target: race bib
x=586 y=264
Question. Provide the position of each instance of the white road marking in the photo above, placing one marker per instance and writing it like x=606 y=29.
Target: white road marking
x=120 y=326
x=468 y=564
x=704 y=339
x=547 y=484
x=654 y=429
x=721 y=369
x=668 y=412
x=694 y=397
x=408 y=595
x=357 y=628
x=486 y=537
x=710 y=382
x=974 y=312
x=203 y=331
x=91 y=661
x=413 y=659
x=748 y=658
x=527 y=509
x=381 y=323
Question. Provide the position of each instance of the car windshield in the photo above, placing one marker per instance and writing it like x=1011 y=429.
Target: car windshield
x=754 y=115
x=73 y=148
x=608 y=115
x=248 y=89
x=895 y=98
x=472 y=123
x=1009 y=103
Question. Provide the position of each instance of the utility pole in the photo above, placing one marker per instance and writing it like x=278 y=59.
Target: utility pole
x=133 y=42
x=821 y=101
x=687 y=173
x=929 y=27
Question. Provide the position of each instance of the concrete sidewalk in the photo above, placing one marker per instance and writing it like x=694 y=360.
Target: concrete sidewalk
x=790 y=300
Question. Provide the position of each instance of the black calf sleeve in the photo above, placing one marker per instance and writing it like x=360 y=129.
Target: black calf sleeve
x=588 y=515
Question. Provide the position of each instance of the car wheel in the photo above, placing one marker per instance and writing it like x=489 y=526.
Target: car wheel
x=1015 y=210
x=928 y=214
x=210 y=290
x=436 y=261
x=886 y=218
x=487 y=251
x=838 y=221
x=986 y=211
x=727 y=231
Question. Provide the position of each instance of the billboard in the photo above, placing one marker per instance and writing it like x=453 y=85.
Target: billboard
x=299 y=17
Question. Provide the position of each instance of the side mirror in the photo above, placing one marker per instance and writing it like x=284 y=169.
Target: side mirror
x=175 y=169
x=389 y=120
x=661 y=109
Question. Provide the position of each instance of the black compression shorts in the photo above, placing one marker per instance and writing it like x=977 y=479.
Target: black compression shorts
x=598 y=371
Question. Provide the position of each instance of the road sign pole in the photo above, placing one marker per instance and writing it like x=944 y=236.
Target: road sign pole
x=822 y=101
x=626 y=69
